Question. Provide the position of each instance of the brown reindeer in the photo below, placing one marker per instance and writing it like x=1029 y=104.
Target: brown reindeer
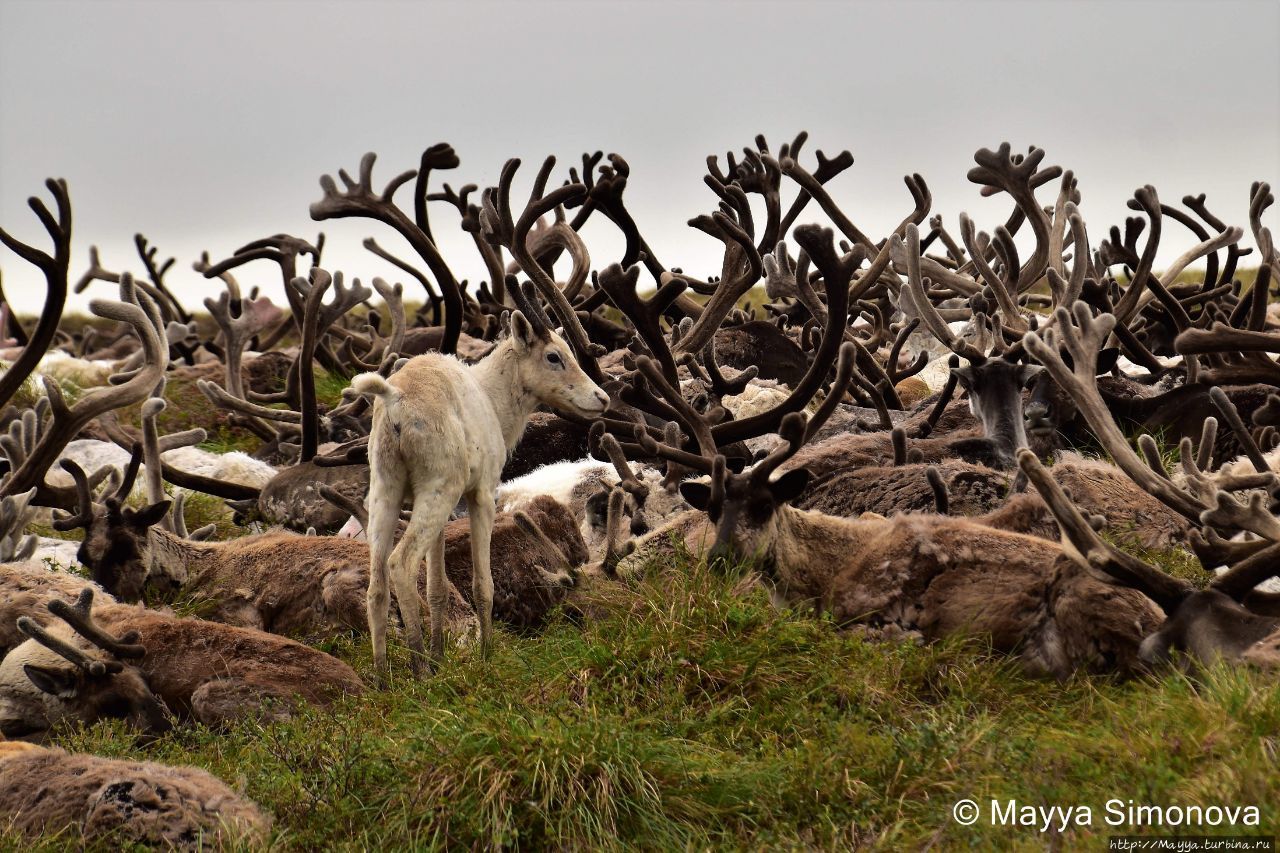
x=126 y=662
x=933 y=574
x=315 y=586
x=44 y=792
x=1228 y=620
x=937 y=575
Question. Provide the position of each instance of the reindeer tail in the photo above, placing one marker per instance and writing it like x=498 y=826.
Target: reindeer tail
x=373 y=385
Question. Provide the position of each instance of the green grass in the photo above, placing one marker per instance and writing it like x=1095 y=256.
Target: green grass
x=686 y=716
x=329 y=387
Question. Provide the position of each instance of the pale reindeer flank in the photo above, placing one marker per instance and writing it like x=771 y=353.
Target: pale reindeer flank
x=442 y=431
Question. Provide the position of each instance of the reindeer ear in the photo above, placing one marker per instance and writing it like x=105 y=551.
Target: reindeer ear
x=1027 y=374
x=147 y=516
x=62 y=683
x=964 y=375
x=697 y=494
x=789 y=486
x=522 y=331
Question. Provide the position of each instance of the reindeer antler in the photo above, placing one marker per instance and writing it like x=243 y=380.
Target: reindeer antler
x=599 y=441
x=501 y=229
x=80 y=617
x=358 y=199
x=54 y=267
x=1083 y=340
x=128 y=388
x=916 y=293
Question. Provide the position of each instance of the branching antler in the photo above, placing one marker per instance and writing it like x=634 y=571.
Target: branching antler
x=54 y=266
x=1083 y=340
x=358 y=199
x=644 y=314
x=143 y=316
x=500 y=229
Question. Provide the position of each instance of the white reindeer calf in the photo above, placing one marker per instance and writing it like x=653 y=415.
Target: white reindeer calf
x=442 y=430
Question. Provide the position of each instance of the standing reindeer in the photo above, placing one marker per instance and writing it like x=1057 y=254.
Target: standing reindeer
x=442 y=430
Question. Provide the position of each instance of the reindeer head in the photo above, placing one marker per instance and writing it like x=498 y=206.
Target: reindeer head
x=744 y=507
x=547 y=367
x=1049 y=409
x=995 y=374
x=995 y=397
x=54 y=677
x=116 y=546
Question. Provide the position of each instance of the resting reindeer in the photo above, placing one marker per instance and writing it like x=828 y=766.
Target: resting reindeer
x=1230 y=619
x=960 y=489
x=442 y=430
x=26 y=586
x=315 y=586
x=934 y=574
x=155 y=663
x=108 y=801
x=941 y=576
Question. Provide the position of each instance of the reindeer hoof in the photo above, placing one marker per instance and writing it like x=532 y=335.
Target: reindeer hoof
x=419 y=666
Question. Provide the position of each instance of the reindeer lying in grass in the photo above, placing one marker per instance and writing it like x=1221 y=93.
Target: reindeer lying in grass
x=936 y=575
x=933 y=574
x=155 y=664
x=1229 y=620
x=315 y=586
x=45 y=792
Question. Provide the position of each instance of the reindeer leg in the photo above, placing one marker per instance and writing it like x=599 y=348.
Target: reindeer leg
x=437 y=594
x=423 y=540
x=386 y=493
x=480 y=506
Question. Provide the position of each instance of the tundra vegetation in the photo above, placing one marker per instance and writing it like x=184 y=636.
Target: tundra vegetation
x=795 y=554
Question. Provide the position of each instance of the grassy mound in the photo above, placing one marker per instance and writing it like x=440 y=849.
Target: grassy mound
x=686 y=714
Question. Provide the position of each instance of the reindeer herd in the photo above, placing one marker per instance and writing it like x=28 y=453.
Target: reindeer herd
x=503 y=451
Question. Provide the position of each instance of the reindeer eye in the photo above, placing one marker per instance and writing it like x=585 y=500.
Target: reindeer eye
x=553 y=358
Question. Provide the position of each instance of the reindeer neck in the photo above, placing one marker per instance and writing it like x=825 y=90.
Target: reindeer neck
x=498 y=374
x=810 y=549
x=1008 y=433
x=170 y=552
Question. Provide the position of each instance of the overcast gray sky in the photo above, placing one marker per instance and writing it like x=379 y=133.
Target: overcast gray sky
x=206 y=123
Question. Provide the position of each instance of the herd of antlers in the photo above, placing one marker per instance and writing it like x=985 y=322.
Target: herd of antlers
x=850 y=323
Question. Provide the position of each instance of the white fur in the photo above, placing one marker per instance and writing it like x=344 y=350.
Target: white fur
x=559 y=480
x=60 y=551
x=233 y=467
x=936 y=373
x=1128 y=367
x=90 y=454
x=1236 y=467
x=84 y=373
x=758 y=397
x=442 y=431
